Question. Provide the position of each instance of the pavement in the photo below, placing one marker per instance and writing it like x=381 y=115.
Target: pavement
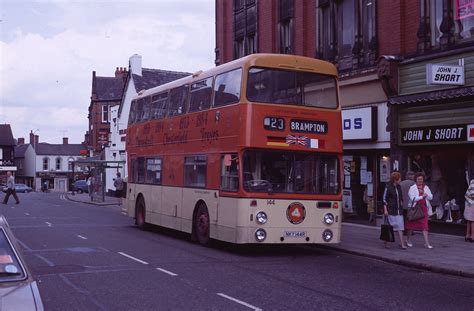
x=450 y=253
x=85 y=198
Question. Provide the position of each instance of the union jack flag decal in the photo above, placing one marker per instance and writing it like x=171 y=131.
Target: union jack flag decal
x=297 y=140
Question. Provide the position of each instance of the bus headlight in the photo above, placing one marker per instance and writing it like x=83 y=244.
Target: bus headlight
x=327 y=235
x=261 y=218
x=328 y=219
x=260 y=235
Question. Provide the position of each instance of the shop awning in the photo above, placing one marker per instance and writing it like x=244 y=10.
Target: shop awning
x=436 y=96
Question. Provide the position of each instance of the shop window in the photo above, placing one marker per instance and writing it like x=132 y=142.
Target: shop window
x=347 y=33
x=227 y=88
x=178 y=100
x=245 y=27
x=195 y=171
x=153 y=171
x=45 y=163
x=230 y=172
x=201 y=95
x=58 y=164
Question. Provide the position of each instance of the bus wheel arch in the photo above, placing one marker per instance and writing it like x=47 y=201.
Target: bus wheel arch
x=140 y=212
x=201 y=223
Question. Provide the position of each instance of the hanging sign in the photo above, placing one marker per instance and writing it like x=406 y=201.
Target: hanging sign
x=444 y=74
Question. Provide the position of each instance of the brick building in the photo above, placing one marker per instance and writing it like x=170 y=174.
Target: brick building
x=382 y=50
x=106 y=93
x=7 y=146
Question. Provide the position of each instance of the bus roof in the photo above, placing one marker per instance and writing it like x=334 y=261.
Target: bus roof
x=282 y=61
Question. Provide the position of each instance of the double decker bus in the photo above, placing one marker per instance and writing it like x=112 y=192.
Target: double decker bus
x=246 y=152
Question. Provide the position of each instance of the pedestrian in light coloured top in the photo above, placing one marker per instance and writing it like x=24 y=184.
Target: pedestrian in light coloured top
x=10 y=189
x=469 y=212
x=420 y=192
x=393 y=206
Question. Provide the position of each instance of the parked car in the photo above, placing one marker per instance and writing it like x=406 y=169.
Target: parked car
x=19 y=188
x=80 y=186
x=18 y=289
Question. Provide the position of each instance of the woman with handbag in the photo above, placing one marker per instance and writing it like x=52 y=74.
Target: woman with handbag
x=469 y=212
x=420 y=196
x=393 y=206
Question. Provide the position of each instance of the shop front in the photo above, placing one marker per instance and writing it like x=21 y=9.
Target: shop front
x=52 y=181
x=366 y=161
x=433 y=120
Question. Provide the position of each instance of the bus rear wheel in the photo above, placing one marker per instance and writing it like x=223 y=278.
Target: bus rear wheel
x=140 y=214
x=201 y=224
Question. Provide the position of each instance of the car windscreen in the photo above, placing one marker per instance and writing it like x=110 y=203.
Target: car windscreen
x=10 y=266
x=289 y=87
x=290 y=172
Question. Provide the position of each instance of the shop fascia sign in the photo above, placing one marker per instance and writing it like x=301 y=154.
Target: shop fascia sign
x=445 y=74
x=359 y=124
x=435 y=134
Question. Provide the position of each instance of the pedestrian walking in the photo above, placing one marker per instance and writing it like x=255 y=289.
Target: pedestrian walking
x=10 y=189
x=469 y=212
x=393 y=206
x=419 y=193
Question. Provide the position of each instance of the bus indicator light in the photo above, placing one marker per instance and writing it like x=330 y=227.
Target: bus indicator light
x=335 y=205
x=253 y=203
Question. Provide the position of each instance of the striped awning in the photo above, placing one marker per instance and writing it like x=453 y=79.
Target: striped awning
x=463 y=93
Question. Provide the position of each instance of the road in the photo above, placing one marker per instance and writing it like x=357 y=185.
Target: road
x=87 y=257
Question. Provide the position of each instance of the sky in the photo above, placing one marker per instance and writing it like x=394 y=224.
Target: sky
x=49 y=48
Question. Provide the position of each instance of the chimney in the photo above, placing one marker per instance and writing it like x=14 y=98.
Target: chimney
x=32 y=138
x=36 y=139
x=65 y=140
x=21 y=140
x=121 y=72
x=135 y=64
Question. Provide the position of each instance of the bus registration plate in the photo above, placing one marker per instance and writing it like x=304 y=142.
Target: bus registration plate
x=295 y=234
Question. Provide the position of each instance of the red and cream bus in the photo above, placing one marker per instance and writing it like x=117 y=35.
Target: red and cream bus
x=246 y=152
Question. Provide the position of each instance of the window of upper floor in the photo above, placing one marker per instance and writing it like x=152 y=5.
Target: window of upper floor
x=285 y=26
x=105 y=113
x=58 y=163
x=45 y=163
x=245 y=27
x=445 y=23
x=347 y=33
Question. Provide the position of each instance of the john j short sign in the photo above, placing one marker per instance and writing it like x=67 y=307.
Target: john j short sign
x=445 y=133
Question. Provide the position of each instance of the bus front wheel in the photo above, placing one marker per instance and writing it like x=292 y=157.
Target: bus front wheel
x=201 y=224
x=140 y=214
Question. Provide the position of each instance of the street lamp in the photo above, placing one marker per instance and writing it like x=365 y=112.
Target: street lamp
x=34 y=149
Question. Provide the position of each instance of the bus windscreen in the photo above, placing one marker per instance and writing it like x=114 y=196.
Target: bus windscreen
x=276 y=86
x=290 y=172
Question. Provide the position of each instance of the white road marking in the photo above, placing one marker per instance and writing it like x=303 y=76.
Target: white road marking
x=48 y=223
x=27 y=214
x=239 y=302
x=166 y=271
x=133 y=258
x=82 y=237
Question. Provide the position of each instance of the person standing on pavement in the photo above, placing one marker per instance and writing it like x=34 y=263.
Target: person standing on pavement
x=469 y=212
x=118 y=184
x=393 y=206
x=420 y=193
x=10 y=189
x=405 y=185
